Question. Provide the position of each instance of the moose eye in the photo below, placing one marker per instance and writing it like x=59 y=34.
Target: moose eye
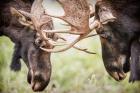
x=106 y=35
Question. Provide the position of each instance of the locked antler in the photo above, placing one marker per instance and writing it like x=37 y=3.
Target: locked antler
x=77 y=15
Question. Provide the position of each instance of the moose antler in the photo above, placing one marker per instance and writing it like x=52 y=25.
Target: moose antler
x=38 y=19
x=77 y=14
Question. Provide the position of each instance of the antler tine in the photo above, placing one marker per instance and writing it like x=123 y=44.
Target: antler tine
x=65 y=31
x=92 y=25
x=63 y=49
x=84 y=50
x=92 y=11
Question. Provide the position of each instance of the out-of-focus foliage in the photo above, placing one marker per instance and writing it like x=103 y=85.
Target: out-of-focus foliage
x=72 y=71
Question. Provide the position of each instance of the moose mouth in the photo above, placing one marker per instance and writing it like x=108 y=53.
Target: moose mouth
x=115 y=67
x=116 y=71
x=118 y=76
x=38 y=83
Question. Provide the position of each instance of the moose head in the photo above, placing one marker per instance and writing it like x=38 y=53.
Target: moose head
x=26 y=47
x=118 y=35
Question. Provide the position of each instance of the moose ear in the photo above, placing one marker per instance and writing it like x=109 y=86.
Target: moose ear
x=22 y=17
x=16 y=64
x=104 y=13
x=135 y=62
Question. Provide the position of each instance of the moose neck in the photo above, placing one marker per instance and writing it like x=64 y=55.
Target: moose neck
x=15 y=34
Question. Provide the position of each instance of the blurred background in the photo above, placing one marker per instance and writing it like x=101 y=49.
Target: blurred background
x=72 y=71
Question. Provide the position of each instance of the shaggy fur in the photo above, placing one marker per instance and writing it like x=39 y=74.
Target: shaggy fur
x=116 y=46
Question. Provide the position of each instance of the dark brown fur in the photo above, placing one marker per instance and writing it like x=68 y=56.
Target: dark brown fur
x=116 y=45
x=37 y=61
x=135 y=61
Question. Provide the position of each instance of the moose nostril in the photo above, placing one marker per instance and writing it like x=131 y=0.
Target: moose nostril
x=39 y=82
x=38 y=76
x=39 y=86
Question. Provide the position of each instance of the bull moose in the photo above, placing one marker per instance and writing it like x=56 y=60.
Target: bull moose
x=37 y=61
x=120 y=38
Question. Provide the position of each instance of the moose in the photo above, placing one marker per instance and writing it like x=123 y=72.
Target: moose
x=120 y=38
x=37 y=60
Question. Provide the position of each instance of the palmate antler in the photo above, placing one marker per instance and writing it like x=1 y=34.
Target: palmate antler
x=76 y=15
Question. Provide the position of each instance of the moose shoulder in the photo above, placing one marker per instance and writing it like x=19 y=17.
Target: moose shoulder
x=135 y=61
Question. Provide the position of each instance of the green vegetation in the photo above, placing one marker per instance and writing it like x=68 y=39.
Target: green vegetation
x=73 y=72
